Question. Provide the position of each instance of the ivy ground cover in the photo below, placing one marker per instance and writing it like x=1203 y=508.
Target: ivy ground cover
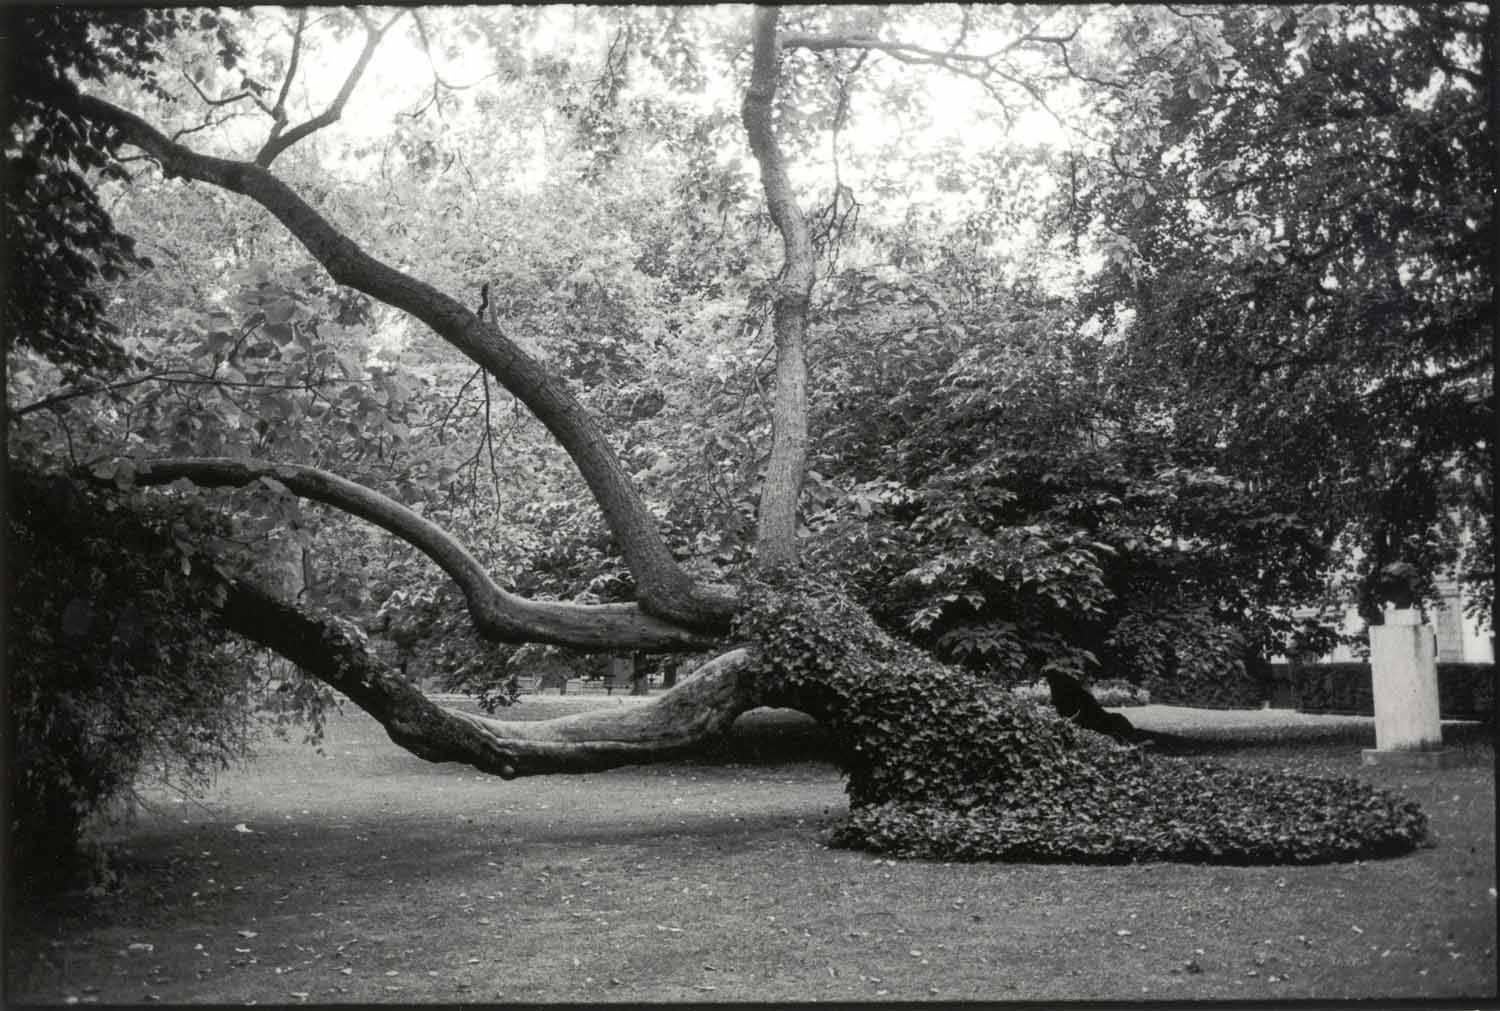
x=369 y=876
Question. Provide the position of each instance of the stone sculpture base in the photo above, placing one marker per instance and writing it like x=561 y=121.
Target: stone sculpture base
x=1433 y=758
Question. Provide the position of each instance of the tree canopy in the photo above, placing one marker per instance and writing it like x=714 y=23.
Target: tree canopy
x=881 y=356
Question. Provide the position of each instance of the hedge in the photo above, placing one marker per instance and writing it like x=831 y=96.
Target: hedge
x=1466 y=690
x=1244 y=687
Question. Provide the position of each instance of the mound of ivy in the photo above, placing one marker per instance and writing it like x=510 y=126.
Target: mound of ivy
x=942 y=764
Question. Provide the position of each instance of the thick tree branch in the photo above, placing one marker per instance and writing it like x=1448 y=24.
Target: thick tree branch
x=665 y=590
x=776 y=533
x=497 y=614
x=335 y=651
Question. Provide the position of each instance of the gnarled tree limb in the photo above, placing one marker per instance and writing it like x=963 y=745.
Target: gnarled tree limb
x=497 y=614
x=677 y=721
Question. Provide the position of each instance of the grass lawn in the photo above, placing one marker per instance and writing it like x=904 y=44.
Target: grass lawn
x=368 y=875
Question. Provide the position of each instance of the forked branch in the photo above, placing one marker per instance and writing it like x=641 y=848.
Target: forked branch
x=665 y=590
x=278 y=141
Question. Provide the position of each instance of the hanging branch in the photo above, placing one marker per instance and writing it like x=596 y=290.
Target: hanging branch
x=457 y=399
x=228 y=100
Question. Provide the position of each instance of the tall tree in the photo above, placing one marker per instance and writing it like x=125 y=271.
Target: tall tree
x=1307 y=259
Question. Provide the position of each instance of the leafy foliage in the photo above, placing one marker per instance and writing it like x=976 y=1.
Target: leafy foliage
x=60 y=239
x=1465 y=690
x=116 y=669
x=1313 y=292
x=1125 y=815
x=1008 y=509
x=942 y=764
x=1111 y=693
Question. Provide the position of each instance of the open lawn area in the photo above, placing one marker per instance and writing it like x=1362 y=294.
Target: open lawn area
x=364 y=874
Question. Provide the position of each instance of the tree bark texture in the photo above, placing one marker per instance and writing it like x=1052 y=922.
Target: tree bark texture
x=336 y=652
x=776 y=532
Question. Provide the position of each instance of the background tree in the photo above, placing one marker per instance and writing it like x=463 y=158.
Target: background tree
x=1305 y=286
x=1008 y=513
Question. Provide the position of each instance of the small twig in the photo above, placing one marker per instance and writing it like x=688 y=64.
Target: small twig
x=62 y=422
x=172 y=377
x=208 y=121
x=489 y=439
x=217 y=101
x=443 y=421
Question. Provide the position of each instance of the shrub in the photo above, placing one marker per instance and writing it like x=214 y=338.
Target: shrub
x=943 y=764
x=1113 y=693
x=1342 y=687
x=116 y=669
x=1466 y=690
x=1119 y=693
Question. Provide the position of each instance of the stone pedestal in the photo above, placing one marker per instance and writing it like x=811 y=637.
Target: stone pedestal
x=1403 y=666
